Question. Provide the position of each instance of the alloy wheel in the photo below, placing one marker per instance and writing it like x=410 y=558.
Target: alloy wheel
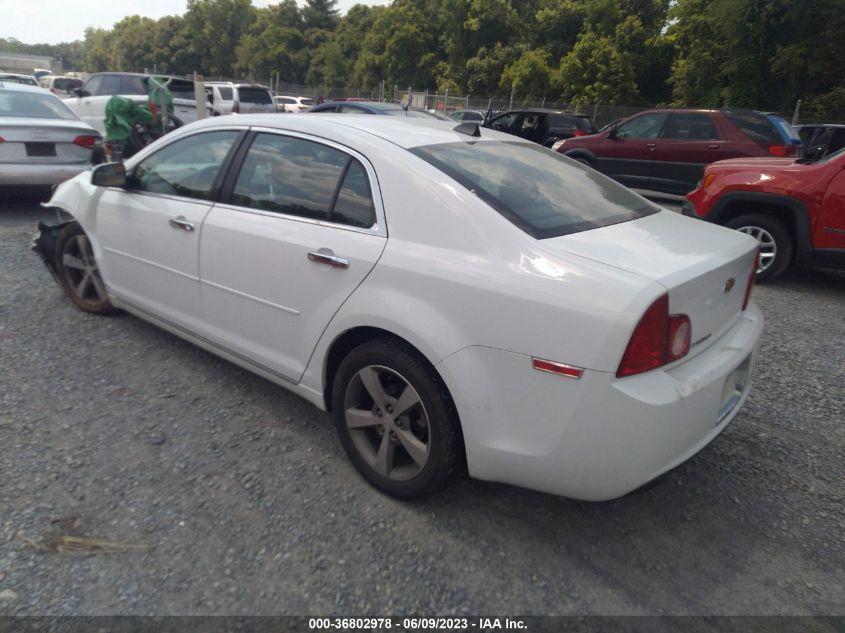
x=768 y=246
x=387 y=423
x=81 y=271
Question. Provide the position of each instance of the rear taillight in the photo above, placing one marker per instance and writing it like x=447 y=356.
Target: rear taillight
x=236 y=107
x=658 y=339
x=750 y=284
x=86 y=140
x=782 y=150
x=580 y=133
x=2 y=140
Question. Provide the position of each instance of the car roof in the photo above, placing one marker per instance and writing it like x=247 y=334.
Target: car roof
x=405 y=132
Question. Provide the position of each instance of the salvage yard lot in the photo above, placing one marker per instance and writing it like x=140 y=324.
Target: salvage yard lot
x=242 y=501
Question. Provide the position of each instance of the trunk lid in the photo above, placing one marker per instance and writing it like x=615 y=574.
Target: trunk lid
x=703 y=267
x=43 y=141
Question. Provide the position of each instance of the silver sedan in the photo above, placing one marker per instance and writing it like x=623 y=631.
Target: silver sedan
x=42 y=142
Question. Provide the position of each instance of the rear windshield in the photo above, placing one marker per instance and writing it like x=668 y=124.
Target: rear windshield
x=308 y=102
x=66 y=84
x=32 y=104
x=540 y=191
x=254 y=95
x=756 y=126
x=181 y=89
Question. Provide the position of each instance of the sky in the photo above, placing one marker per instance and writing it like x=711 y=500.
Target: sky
x=54 y=21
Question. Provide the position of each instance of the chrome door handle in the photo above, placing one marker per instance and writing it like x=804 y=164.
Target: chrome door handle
x=328 y=258
x=651 y=145
x=181 y=223
x=712 y=147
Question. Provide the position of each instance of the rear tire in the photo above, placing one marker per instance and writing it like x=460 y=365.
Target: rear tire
x=396 y=419
x=79 y=273
x=776 y=244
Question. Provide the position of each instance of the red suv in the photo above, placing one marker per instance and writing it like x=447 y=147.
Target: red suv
x=666 y=150
x=795 y=208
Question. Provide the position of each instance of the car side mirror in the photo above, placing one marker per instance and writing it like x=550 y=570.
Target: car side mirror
x=109 y=175
x=79 y=92
x=611 y=134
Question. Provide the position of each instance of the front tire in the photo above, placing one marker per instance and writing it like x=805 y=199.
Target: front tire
x=776 y=244
x=395 y=418
x=79 y=273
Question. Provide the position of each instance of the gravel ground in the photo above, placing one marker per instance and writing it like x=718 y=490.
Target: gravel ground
x=241 y=500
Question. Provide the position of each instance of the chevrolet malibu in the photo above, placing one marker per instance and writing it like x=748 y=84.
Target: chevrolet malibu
x=453 y=295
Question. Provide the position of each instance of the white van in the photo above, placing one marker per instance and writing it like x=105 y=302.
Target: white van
x=238 y=98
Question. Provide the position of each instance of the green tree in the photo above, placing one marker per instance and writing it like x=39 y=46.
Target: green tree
x=214 y=29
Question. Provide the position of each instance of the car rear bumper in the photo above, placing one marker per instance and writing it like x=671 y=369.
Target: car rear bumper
x=597 y=437
x=17 y=175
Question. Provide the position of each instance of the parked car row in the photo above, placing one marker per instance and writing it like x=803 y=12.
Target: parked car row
x=666 y=150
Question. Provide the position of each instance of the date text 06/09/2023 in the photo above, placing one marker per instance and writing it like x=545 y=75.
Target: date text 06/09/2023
x=416 y=624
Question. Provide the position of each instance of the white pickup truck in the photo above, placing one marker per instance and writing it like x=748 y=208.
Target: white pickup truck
x=92 y=97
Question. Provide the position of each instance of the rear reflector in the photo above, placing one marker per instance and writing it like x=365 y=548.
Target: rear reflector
x=86 y=140
x=556 y=368
x=782 y=150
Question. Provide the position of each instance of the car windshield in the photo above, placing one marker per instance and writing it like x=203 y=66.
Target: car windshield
x=540 y=191
x=38 y=105
x=832 y=156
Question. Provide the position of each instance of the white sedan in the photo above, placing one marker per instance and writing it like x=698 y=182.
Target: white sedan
x=451 y=295
x=41 y=141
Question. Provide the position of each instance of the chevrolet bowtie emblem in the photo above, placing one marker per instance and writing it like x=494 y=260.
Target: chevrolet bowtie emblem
x=728 y=285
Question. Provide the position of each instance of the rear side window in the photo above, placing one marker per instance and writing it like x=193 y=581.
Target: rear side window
x=298 y=177
x=225 y=93
x=541 y=192
x=690 y=126
x=755 y=126
x=254 y=95
x=132 y=86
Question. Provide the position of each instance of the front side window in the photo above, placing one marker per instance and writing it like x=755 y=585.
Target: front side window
x=644 y=126
x=504 y=122
x=541 y=192
x=298 y=177
x=691 y=126
x=187 y=167
x=92 y=86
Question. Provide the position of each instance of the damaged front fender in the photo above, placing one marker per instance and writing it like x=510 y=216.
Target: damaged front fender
x=44 y=243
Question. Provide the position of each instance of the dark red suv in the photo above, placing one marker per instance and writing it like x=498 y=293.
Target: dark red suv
x=795 y=208
x=666 y=150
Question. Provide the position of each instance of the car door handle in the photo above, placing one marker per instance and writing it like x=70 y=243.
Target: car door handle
x=325 y=256
x=181 y=223
x=712 y=147
x=651 y=145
